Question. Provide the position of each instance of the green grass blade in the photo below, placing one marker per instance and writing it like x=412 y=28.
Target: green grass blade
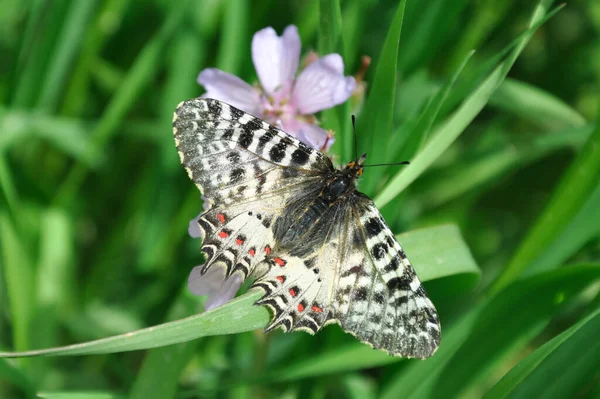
x=79 y=395
x=485 y=169
x=239 y=315
x=583 y=228
x=43 y=28
x=509 y=321
x=375 y=121
x=330 y=41
x=18 y=274
x=571 y=194
x=145 y=66
x=55 y=276
x=235 y=40
x=458 y=121
x=330 y=27
x=236 y=316
x=489 y=331
x=69 y=41
x=414 y=139
x=64 y=134
x=349 y=358
x=16 y=378
x=535 y=104
x=10 y=196
x=161 y=368
x=575 y=347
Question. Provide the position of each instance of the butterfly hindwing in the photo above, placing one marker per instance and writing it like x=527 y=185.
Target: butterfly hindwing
x=357 y=276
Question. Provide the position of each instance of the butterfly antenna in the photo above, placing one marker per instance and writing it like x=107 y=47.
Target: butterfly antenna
x=355 y=138
x=389 y=164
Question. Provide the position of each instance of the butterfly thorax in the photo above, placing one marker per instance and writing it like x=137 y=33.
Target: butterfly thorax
x=298 y=223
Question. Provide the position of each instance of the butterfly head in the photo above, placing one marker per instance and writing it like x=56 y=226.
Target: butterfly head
x=355 y=168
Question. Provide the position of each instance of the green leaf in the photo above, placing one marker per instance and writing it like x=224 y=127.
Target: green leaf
x=451 y=259
x=455 y=125
x=543 y=373
x=572 y=192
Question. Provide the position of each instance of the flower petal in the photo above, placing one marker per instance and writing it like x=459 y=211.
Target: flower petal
x=213 y=285
x=310 y=134
x=229 y=88
x=276 y=58
x=322 y=85
x=194 y=228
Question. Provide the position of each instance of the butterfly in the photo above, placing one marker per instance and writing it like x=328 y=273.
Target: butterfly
x=281 y=213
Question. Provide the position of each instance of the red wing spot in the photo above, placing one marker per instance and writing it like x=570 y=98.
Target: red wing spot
x=268 y=250
x=221 y=217
x=279 y=261
x=251 y=252
x=239 y=241
x=292 y=292
x=300 y=307
x=223 y=234
x=317 y=309
x=281 y=279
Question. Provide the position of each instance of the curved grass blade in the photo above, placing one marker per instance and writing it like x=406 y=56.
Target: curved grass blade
x=575 y=347
x=450 y=260
x=535 y=104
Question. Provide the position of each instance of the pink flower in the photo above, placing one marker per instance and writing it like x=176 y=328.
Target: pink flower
x=282 y=99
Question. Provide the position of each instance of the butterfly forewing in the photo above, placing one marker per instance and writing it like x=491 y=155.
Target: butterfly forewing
x=320 y=254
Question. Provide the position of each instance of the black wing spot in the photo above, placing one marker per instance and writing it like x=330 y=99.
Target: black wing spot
x=237 y=175
x=392 y=266
x=277 y=152
x=246 y=138
x=234 y=157
x=373 y=227
x=299 y=157
x=400 y=283
x=379 y=250
x=360 y=294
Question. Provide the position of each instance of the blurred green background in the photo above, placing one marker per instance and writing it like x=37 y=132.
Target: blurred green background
x=502 y=213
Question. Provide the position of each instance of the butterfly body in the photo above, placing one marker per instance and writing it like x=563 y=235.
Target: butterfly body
x=318 y=248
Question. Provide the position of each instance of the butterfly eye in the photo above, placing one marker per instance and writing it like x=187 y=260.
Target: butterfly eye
x=351 y=164
x=360 y=171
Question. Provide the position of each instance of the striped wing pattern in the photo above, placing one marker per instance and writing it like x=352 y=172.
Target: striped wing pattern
x=346 y=267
